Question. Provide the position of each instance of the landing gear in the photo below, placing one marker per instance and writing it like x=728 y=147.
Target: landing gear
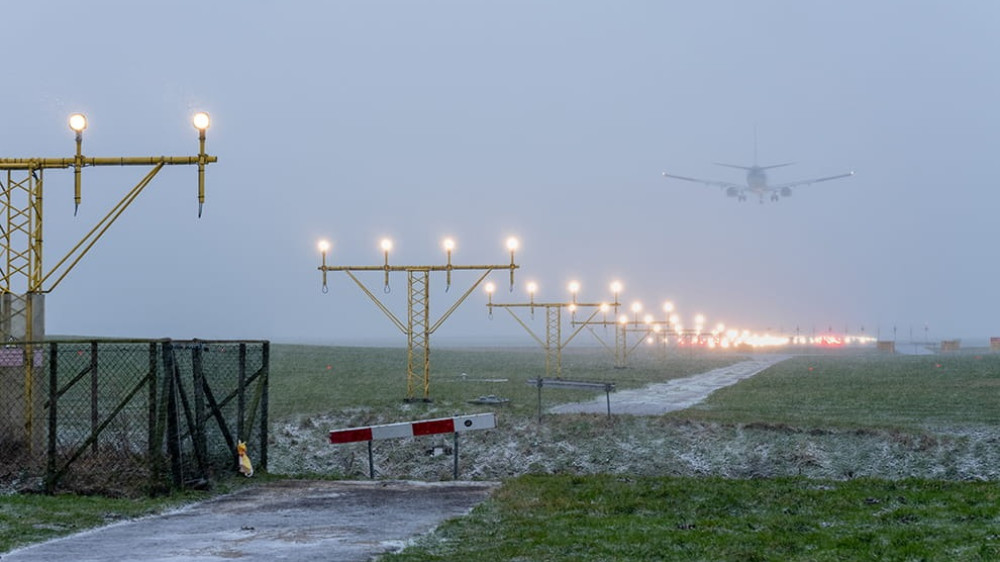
x=774 y=198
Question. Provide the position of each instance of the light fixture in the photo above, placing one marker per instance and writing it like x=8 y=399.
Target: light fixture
x=201 y=121
x=78 y=122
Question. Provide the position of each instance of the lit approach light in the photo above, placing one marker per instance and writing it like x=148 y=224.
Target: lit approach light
x=324 y=247
x=201 y=121
x=616 y=288
x=449 y=245
x=574 y=288
x=512 y=245
x=668 y=307
x=489 y=288
x=78 y=122
x=386 y=246
x=636 y=309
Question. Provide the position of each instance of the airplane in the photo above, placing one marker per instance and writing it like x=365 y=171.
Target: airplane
x=756 y=182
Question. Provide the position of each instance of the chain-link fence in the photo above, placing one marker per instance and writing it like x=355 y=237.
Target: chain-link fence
x=123 y=417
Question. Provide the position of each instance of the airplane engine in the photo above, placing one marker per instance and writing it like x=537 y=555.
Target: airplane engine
x=732 y=192
x=786 y=192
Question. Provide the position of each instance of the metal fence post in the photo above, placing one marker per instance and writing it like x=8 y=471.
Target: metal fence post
x=241 y=399
x=50 y=470
x=455 y=449
x=152 y=444
x=265 y=369
x=173 y=431
x=94 y=416
x=198 y=431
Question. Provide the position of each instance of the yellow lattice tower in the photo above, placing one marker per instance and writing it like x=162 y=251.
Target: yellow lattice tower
x=24 y=281
x=418 y=326
x=553 y=343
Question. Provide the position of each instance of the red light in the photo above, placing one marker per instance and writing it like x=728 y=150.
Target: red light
x=831 y=341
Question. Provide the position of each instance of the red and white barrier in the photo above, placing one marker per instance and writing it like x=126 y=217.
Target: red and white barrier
x=456 y=424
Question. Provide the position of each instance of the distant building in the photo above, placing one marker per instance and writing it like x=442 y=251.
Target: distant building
x=886 y=346
x=950 y=345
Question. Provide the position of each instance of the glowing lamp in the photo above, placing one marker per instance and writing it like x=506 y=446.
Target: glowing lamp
x=77 y=122
x=201 y=121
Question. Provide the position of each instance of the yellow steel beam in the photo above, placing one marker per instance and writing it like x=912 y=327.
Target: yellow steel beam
x=43 y=163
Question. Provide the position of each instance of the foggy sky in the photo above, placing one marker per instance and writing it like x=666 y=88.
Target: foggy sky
x=549 y=121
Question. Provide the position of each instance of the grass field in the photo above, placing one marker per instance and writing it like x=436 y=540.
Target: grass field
x=310 y=380
x=900 y=451
x=832 y=456
x=27 y=519
x=932 y=393
x=605 y=517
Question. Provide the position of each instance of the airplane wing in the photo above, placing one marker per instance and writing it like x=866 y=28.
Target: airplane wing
x=722 y=184
x=781 y=186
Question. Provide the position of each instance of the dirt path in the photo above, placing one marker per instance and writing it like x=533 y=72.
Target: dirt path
x=294 y=520
x=673 y=395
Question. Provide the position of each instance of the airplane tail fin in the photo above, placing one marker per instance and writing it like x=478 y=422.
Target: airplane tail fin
x=755 y=154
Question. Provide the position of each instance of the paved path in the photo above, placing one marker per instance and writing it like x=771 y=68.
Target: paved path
x=292 y=520
x=673 y=395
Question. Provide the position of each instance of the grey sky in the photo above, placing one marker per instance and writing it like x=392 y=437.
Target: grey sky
x=551 y=121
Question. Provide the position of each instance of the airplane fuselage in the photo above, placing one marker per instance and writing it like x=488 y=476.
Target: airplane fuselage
x=756 y=179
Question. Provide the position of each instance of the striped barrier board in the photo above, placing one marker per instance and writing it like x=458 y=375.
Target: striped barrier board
x=456 y=424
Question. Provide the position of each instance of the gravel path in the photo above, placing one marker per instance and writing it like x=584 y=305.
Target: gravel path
x=677 y=394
